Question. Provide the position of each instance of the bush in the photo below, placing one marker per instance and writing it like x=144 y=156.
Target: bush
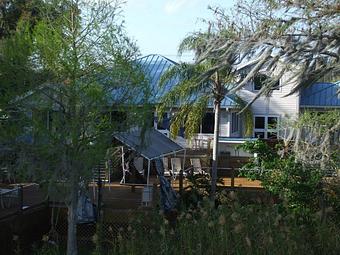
x=298 y=185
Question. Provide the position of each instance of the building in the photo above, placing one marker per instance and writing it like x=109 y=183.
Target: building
x=267 y=111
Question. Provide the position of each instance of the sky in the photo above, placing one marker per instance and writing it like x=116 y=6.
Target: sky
x=158 y=26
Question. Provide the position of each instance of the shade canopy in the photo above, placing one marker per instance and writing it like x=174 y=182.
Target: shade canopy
x=154 y=145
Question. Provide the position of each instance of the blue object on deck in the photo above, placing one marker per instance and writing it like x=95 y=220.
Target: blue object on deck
x=85 y=210
x=321 y=95
x=168 y=195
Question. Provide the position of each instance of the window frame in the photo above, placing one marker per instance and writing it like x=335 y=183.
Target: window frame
x=266 y=128
x=277 y=89
x=235 y=123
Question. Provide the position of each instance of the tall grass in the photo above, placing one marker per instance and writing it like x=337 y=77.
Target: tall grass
x=229 y=229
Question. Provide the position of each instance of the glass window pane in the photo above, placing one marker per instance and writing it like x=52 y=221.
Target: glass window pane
x=164 y=124
x=259 y=122
x=259 y=134
x=272 y=135
x=208 y=123
x=234 y=122
x=259 y=80
x=272 y=122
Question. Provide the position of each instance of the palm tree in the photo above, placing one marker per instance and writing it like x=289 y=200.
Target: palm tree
x=198 y=85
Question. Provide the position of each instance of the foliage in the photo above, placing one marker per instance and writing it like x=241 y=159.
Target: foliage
x=247 y=117
x=266 y=157
x=47 y=249
x=13 y=12
x=314 y=138
x=300 y=186
x=304 y=41
x=198 y=86
x=91 y=78
x=199 y=187
x=229 y=229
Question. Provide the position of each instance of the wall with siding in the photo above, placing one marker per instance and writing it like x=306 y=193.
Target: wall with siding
x=276 y=104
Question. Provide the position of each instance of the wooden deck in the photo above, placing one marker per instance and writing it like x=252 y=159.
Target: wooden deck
x=121 y=197
x=238 y=182
x=116 y=196
x=32 y=195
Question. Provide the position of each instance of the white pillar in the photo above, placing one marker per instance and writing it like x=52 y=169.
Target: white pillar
x=185 y=152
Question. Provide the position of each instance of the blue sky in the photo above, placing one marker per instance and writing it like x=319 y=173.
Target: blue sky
x=158 y=26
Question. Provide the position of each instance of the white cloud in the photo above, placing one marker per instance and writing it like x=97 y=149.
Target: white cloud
x=172 y=6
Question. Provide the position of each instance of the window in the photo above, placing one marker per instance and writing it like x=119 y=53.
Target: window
x=164 y=123
x=260 y=79
x=208 y=123
x=272 y=122
x=259 y=122
x=234 y=122
x=266 y=127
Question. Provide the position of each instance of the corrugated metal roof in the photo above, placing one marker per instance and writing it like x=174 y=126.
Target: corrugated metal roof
x=154 y=66
x=321 y=95
x=155 y=144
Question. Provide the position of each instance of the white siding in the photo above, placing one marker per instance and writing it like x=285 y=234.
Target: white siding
x=276 y=104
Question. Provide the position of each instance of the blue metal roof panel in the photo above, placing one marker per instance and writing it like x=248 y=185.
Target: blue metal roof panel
x=320 y=95
x=154 y=66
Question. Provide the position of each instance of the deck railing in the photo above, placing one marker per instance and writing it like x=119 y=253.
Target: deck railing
x=10 y=198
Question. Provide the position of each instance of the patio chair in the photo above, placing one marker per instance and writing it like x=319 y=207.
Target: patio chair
x=176 y=167
x=197 y=167
x=166 y=167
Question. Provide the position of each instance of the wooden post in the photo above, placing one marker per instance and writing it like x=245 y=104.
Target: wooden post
x=232 y=183
x=180 y=182
x=21 y=197
x=99 y=198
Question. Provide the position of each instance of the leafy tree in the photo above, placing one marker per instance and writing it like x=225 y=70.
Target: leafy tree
x=92 y=78
x=12 y=12
x=280 y=36
x=315 y=139
x=297 y=184
x=294 y=168
x=200 y=84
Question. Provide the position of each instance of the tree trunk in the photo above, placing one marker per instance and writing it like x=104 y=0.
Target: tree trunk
x=217 y=105
x=72 y=220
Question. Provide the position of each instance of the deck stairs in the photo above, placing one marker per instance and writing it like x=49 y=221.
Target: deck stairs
x=105 y=167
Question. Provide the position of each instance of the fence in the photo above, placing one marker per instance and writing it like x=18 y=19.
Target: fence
x=19 y=230
x=114 y=222
x=11 y=198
